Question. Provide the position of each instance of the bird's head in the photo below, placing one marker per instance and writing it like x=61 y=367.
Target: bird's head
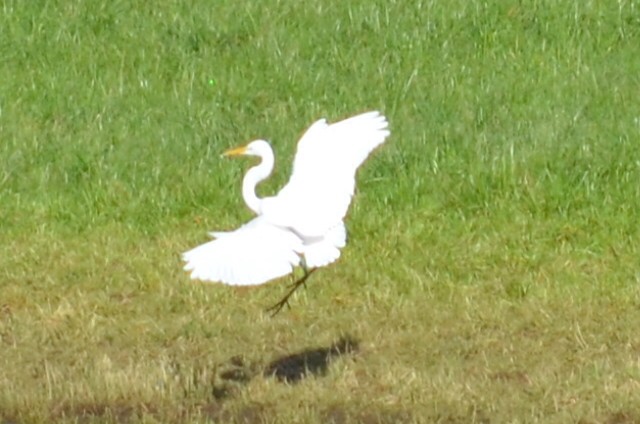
x=255 y=148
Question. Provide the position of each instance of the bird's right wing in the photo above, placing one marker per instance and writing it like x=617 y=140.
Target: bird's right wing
x=253 y=254
x=322 y=183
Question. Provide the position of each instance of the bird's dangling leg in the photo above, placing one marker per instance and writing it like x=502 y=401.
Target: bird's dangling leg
x=305 y=269
x=285 y=300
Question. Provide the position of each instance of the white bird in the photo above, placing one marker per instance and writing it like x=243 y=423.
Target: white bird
x=303 y=224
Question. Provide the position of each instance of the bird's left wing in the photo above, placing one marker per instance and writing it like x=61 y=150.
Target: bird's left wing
x=323 y=179
x=253 y=254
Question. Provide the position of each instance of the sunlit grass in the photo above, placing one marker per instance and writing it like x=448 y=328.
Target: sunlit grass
x=492 y=268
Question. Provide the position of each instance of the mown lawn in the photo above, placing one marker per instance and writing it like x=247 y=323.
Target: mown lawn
x=492 y=270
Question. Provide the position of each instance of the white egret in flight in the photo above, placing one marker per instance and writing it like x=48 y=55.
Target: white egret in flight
x=303 y=224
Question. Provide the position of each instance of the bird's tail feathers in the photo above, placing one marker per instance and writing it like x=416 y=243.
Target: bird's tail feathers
x=327 y=250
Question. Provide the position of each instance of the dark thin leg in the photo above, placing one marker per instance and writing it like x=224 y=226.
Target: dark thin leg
x=307 y=271
x=285 y=300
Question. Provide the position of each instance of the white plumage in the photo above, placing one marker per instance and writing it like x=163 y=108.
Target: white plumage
x=303 y=224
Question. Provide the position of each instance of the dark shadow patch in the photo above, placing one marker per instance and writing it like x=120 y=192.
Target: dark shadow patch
x=295 y=367
x=238 y=375
x=237 y=371
x=233 y=373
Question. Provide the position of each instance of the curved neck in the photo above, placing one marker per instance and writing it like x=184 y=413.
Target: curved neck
x=251 y=180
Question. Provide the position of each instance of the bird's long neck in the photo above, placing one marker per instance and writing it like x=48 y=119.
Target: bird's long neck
x=251 y=180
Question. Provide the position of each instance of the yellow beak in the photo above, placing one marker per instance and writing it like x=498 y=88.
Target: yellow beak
x=235 y=152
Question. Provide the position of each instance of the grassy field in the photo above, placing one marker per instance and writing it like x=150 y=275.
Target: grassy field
x=492 y=273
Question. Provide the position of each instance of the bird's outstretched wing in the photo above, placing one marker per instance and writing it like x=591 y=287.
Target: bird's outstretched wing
x=253 y=254
x=318 y=195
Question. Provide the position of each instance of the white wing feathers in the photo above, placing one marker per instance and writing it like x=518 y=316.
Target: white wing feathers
x=253 y=254
x=326 y=250
x=322 y=183
x=346 y=144
x=305 y=218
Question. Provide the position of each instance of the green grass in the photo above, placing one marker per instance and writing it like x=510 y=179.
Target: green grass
x=492 y=271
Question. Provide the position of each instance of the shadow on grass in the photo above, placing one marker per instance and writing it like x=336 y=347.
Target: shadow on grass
x=232 y=376
x=295 y=367
x=290 y=369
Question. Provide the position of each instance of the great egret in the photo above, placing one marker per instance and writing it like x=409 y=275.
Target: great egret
x=303 y=224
